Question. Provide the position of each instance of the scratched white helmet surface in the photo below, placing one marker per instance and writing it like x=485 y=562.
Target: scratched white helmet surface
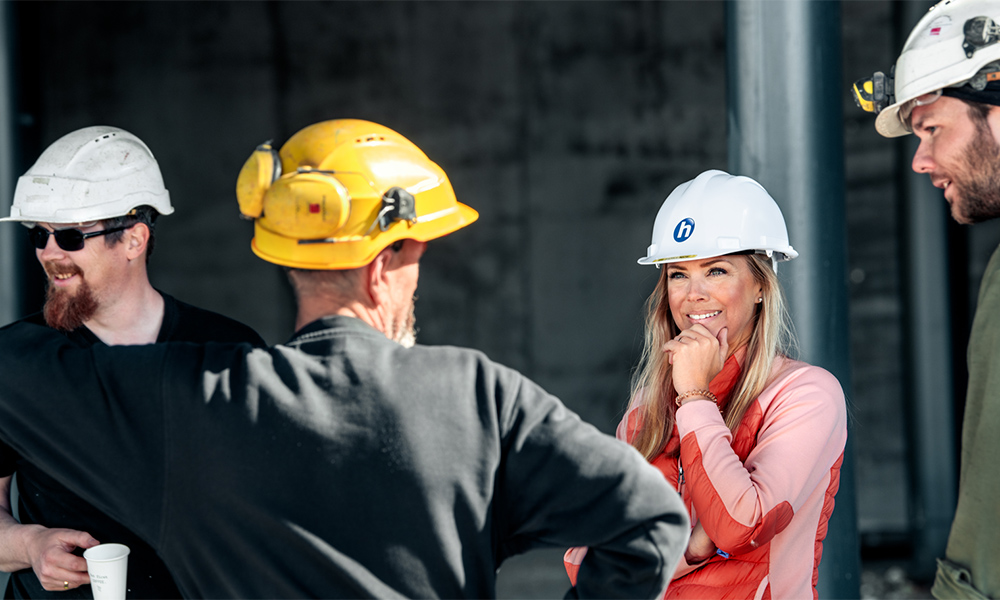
x=87 y=175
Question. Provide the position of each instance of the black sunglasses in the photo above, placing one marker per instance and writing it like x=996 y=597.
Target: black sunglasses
x=69 y=240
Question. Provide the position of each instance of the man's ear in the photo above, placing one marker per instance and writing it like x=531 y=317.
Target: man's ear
x=136 y=239
x=993 y=118
x=377 y=277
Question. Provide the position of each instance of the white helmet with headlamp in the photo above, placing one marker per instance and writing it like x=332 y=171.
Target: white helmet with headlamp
x=953 y=51
x=715 y=214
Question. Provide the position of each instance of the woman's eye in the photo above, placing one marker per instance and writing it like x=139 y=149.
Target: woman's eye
x=675 y=275
x=717 y=271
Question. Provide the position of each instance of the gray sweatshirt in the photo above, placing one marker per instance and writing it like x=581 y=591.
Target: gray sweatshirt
x=337 y=465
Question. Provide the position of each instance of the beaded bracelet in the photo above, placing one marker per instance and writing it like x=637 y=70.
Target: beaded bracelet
x=704 y=393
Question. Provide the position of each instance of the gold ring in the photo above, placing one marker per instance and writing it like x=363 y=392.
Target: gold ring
x=65 y=585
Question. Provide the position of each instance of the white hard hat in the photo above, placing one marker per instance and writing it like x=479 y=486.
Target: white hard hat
x=90 y=174
x=715 y=214
x=948 y=48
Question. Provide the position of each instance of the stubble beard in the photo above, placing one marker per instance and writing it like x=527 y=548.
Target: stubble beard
x=978 y=197
x=65 y=310
x=404 y=329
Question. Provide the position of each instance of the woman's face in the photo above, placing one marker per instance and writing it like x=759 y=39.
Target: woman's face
x=718 y=293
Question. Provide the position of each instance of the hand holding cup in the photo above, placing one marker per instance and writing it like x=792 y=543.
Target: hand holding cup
x=108 y=567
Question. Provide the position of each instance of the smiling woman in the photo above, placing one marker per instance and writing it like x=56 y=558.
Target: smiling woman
x=751 y=439
x=719 y=294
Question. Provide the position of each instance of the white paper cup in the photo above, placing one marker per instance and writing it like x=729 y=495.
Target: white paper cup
x=108 y=566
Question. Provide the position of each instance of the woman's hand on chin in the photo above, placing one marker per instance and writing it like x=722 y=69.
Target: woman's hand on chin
x=697 y=357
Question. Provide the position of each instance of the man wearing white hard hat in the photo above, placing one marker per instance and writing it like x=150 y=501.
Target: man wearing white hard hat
x=945 y=88
x=90 y=203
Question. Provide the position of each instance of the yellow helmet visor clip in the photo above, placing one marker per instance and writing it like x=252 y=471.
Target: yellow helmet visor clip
x=397 y=205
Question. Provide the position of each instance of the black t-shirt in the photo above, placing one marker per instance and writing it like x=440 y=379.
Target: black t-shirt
x=44 y=501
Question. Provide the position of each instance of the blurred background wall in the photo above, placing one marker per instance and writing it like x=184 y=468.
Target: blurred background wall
x=564 y=124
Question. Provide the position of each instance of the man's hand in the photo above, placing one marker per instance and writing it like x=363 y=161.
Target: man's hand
x=52 y=559
x=49 y=552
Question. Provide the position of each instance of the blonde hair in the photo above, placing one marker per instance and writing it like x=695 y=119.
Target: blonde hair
x=652 y=384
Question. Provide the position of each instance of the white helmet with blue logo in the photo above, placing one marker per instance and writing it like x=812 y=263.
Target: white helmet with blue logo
x=715 y=214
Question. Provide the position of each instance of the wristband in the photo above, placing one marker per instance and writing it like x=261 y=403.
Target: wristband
x=704 y=393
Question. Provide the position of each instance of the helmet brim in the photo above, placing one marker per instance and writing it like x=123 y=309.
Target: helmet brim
x=888 y=123
x=777 y=255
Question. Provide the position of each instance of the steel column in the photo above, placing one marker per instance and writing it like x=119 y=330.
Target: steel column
x=9 y=263
x=785 y=130
x=927 y=347
x=10 y=307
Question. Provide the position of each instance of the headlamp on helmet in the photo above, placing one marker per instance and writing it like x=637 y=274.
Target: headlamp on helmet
x=952 y=51
x=872 y=94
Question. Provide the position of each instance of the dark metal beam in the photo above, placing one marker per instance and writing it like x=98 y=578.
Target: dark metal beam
x=927 y=347
x=9 y=259
x=785 y=130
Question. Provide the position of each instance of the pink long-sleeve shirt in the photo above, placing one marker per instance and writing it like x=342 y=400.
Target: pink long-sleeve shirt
x=763 y=495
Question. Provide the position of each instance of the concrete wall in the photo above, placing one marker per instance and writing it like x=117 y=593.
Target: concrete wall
x=565 y=124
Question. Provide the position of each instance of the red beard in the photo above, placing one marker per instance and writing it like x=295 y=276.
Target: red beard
x=65 y=310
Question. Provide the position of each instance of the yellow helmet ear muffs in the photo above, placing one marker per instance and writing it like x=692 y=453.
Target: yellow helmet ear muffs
x=261 y=170
x=307 y=205
x=350 y=189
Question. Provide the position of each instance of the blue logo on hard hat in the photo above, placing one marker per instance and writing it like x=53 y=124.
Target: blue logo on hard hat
x=684 y=230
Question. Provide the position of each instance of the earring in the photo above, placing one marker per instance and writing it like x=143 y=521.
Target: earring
x=761 y=299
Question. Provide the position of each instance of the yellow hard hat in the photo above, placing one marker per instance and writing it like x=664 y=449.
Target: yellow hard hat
x=340 y=191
